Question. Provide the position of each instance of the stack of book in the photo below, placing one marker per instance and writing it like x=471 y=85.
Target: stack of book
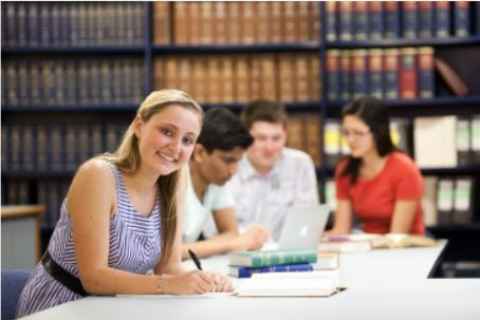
x=247 y=263
x=295 y=273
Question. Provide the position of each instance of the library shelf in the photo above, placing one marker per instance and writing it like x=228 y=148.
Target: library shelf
x=434 y=106
x=236 y=48
x=395 y=43
x=127 y=107
x=37 y=174
x=466 y=170
x=461 y=170
x=292 y=107
x=101 y=50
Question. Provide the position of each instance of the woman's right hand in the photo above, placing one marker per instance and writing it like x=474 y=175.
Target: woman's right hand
x=194 y=282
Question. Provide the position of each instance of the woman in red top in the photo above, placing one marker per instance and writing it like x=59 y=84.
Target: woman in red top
x=377 y=183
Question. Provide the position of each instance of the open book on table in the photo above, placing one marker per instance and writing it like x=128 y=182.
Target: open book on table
x=368 y=241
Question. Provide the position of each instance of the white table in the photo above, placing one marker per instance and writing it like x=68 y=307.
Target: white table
x=388 y=284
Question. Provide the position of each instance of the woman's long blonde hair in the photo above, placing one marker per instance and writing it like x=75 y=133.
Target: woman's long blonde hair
x=127 y=158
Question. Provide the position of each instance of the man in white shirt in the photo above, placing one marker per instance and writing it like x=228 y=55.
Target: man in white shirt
x=271 y=177
x=220 y=146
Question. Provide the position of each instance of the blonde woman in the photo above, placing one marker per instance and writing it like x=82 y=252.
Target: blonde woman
x=121 y=217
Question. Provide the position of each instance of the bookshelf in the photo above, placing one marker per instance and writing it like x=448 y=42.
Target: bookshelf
x=311 y=32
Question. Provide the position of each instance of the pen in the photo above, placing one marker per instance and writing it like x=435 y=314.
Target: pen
x=195 y=259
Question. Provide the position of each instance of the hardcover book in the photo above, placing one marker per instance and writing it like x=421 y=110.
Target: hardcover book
x=273 y=257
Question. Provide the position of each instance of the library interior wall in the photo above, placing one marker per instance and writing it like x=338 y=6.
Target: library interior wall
x=74 y=75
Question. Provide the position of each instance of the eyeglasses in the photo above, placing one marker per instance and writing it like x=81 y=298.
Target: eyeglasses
x=354 y=133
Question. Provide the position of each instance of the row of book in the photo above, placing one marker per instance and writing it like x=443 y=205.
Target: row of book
x=47 y=192
x=304 y=132
x=79 y=82
x=75 y=24
x=446 y=200
x=247 y=263
x=376 y=20
x=335 y=145
x=446 y=141
x=242 y=78
x=449 y=200
x=61 y=147
x=221 y=22
x=406 y=73
x=459 y=144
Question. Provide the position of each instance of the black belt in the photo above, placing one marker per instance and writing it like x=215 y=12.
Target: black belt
x=63 y=276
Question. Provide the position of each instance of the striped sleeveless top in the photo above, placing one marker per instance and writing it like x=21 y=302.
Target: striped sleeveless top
x=134 y=246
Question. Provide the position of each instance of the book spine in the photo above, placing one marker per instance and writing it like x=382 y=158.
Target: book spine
x=246 y=272
x=345 y=75
x=360 y=73
x=279 y=258
x=391 y=74
x=42 y=144
x=445 y=193
x=425 y=16
x=462 y=18
x=375 y=20
x=462 y=137
x=425 y=72
x=313 y=132
x=442 y=19
x=463 y=201
x=410 y=19
x=475 y=138
x=408 y=74
x=392 y=20
x=345 y=27
x=331 y=20
x=333 y=75
x=331 y=142
x=375 y=73
x=360 y=20
x=302 y=80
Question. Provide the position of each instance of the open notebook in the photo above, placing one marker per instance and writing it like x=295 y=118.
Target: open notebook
x=290 y=284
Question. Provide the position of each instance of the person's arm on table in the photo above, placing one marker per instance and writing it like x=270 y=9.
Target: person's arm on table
x=343 y=219
x=228 y=238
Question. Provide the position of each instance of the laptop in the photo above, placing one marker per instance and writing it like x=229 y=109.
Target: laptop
x=303 y=227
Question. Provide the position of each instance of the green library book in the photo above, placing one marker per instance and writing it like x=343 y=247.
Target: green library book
x=272 y=257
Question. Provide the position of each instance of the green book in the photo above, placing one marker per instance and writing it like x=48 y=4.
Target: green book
x=270 y=258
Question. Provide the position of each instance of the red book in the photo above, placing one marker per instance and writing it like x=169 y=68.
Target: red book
x=408 y=74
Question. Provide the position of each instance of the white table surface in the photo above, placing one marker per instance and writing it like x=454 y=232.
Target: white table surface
x=384 y=284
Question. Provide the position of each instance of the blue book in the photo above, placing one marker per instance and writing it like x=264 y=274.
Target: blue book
x=247 y=272
x=360 y=73
x=410 y=19
x=375 y=73
x=345 y=74
x=425 y=9
x=345 y=14
x=442 y=19
x=375 y=20
x=360 y=20
x=333 y=75
x=425 y=72
x=332 y=20
x=462 y=19
x=392 y=20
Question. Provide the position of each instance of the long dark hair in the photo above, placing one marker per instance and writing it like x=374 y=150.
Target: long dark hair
x=375 y=115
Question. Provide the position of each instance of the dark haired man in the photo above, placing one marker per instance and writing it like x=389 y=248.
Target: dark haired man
x=209 y=204
x=271 y=177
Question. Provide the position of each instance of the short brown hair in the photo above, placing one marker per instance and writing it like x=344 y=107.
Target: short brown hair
x=262 y=110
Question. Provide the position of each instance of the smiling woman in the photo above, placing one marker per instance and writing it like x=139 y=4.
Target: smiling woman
x=121 y=216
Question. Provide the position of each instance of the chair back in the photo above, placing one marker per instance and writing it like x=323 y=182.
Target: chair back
x=13 y=281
